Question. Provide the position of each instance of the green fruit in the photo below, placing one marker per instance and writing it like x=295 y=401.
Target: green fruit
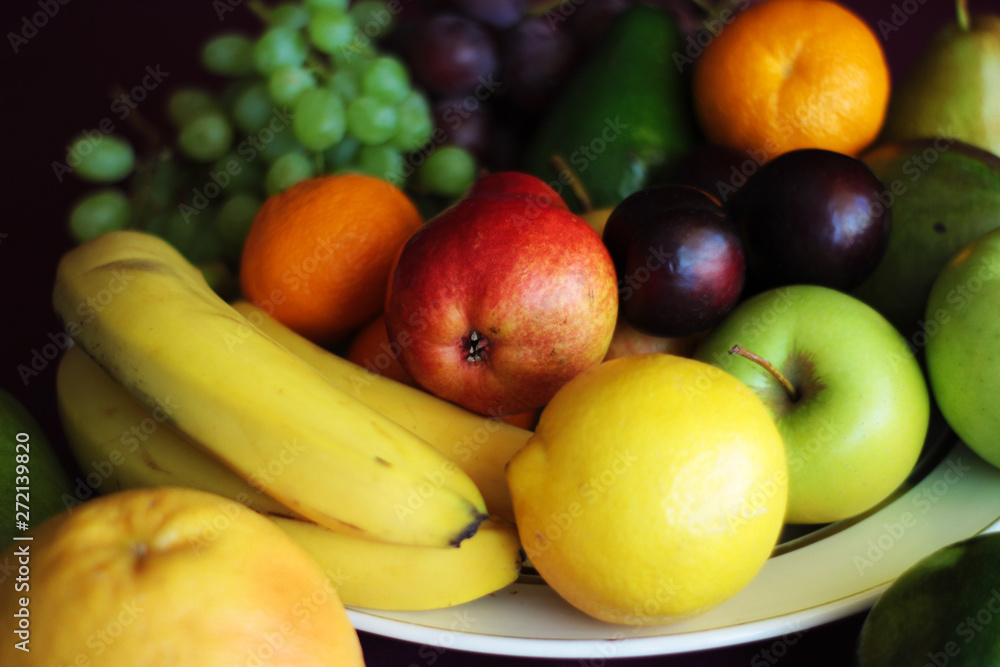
x=28 y=460
x=951 y=89
x=963 y=361
x=624 y=115
x=941 y=611
x=856 y=427
x=942 y=195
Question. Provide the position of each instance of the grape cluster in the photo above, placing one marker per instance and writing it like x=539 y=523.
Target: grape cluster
x=492 y=67
x=314 y=93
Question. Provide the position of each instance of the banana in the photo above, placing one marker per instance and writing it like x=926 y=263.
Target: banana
x=480 y=446
x=400 y=577
x=101 y=420
x=129 y=446
x=148 y=317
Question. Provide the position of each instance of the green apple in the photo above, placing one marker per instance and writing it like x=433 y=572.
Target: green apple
x=844 y=388
x=963 y=358
x=28 y=460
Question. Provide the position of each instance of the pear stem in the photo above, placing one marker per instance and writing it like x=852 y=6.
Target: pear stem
x=962 y=11
x=793 y=393
x=560 y=165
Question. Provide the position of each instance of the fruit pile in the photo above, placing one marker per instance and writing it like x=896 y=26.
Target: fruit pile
x=704 y=343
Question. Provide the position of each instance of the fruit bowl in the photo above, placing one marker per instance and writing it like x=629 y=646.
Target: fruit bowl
x=816 y=575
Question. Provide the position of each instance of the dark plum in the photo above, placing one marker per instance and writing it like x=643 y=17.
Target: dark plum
x=452 y=55
x=650 y=205
x=496 y=13
x=679 y=259
x=466 y=122
x=535 y=59
x=813 y=216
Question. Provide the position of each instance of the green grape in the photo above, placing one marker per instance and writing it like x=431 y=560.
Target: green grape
x=231 y=92
x=206 y=138
x=382 y=162
x=252 y=108
x=244 y=174
x=289 y=14
x=373 y=17
x=342 y=153
x=180 y=230
x=386 y=79
x=288 y=170
x=319 y=119
x=415 y=125
x=448 y=171
x=101 y=158
x=233 y=222
x=286 y=83
x=331 y=30
x=188 y=103
x=230 y=54
x=316 y=5
x=106 y=210
x=205 y=246
x=274 y=145
x=371 y=121
x=277 y=47
x=345 y=84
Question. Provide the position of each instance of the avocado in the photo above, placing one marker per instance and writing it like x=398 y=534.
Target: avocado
x=32 y=478
x=623 y=117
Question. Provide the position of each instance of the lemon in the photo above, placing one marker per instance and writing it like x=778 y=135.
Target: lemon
x=653 y=489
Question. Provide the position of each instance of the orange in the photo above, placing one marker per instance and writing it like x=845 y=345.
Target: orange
x=172 y=576
x=789 y=74
x=318 y=255
x=372 y=350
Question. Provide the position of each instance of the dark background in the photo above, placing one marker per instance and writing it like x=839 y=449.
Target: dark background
x=59 y=83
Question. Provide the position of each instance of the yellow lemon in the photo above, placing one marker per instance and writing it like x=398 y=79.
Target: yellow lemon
x=653 y=489
x=171 y=576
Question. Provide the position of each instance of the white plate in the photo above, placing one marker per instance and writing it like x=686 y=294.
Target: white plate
x=813 y=579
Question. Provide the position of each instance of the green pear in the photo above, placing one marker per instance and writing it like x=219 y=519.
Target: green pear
x=942 y=194
x=963 y=363
x=953 y=87
x=32 y=477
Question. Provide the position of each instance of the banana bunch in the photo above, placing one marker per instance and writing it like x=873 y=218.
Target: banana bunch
x=108 y=429
x=480 y=446
x=148 y=318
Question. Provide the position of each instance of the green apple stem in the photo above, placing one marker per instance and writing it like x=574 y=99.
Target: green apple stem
x=793 y=393
x=962 y=11
x=575 y=184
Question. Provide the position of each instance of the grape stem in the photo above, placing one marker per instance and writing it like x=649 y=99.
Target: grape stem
x=793 y=393
x=262 y=11
x=962 y=12
x=575 y=184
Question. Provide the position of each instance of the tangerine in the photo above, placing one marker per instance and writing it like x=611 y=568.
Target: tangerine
x=788 y=74
x=318 y=254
